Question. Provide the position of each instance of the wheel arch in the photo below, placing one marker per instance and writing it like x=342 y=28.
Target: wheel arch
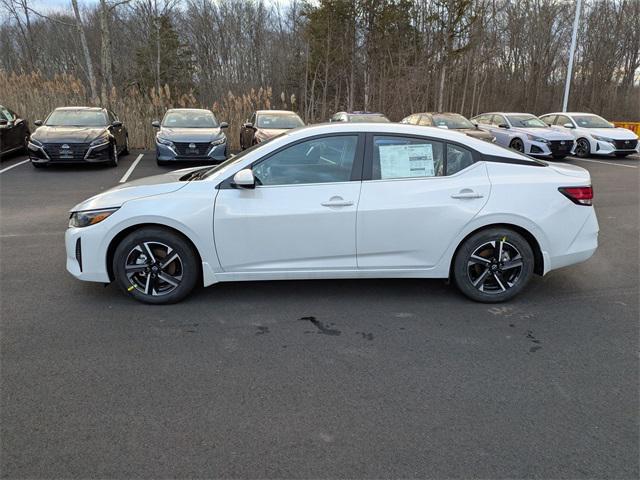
x=115 y=241
x=538 y=258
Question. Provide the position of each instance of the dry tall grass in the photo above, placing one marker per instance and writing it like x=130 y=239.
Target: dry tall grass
x=34 y=96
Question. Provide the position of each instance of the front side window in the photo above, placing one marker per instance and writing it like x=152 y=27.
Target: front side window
x=562 y=119
x=77 y=118
x=402 y=157
x=498 y=120
x=319 y=160
x=424 y=121
x=549 y=119
x=483 y=119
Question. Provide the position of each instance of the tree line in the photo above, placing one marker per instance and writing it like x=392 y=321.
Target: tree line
x=318 y=57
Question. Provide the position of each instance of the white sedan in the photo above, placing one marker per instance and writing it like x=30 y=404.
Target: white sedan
x=341 y=201
x=593 y=134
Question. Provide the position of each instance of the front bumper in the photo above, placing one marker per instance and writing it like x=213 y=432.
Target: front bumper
x=600 y=147
x=85 y=261
x=215 y=154
x=554 y=148
x=75 y=153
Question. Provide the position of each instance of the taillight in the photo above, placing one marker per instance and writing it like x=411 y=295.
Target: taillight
x=578 y=195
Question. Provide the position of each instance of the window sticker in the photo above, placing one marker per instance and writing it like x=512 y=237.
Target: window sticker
x=402 y=161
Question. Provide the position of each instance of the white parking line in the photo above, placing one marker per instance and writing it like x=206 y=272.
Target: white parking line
x=131 y=168
x=605 y=163
x=14 y=165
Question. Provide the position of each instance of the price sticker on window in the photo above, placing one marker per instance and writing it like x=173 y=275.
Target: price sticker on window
x=405 y=161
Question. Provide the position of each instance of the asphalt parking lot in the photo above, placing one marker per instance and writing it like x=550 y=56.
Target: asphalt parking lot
x=359 y=379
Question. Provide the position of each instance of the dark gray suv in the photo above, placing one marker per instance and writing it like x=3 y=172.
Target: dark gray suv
x=190 y=135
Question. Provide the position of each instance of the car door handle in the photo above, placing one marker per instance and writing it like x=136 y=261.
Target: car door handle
x=337 y=202
x=469 y=194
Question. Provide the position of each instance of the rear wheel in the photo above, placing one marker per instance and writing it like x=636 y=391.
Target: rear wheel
x=493 y=265
x=156 y=266
x=517 y=144
x=583 y=148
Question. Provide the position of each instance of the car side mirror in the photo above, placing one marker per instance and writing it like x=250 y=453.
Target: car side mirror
x=568 y=125
x=244 y=179
x=475 y=124
x=247 y=125
x=38 y=123
x=116 y=124
x=3 y=121
x=155 y=124
x=224 y=125
x=503 y=125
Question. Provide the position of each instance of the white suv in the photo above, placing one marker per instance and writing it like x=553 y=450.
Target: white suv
x=593 y=134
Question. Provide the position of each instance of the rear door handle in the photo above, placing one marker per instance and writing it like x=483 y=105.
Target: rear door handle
x=468 y=194
x=337 y=202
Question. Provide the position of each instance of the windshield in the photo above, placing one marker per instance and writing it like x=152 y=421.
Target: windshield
x=368 y=119
x=279 y=120
x=526 y=121
x=452 y=121
x=77 y=118
x=591 y=121
x=190 y=119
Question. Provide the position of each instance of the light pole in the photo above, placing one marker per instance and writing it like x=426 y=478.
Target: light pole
x=572 y=51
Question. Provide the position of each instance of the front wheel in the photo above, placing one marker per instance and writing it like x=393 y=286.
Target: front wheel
x=493 y=265
x=517 y=144
x=583 y=148
x=114 y=155
x=125 y=150
x=156 y=266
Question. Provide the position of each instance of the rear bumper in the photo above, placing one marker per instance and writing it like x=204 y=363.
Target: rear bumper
x=582 y=247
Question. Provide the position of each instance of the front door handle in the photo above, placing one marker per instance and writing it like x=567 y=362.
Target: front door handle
x=467 y=194
x=337 y=202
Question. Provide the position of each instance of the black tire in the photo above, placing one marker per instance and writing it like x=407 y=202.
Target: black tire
x=125 y=150
x=114 y=155
x=583 y=148
x=162 y=163
x=517 y=144
x=142 y=275
x=490 y=280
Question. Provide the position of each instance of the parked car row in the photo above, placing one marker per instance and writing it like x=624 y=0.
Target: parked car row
x=96 y=135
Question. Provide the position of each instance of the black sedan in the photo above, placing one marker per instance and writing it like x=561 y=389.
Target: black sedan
x=14 y=132
x=78 y=135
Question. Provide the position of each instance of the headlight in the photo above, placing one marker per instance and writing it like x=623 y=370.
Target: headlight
x=89 y=217
x=534 y=138
x=164 y=141
x=602 y=139
x=219 y=142
x=34 y=145
x=100 y=141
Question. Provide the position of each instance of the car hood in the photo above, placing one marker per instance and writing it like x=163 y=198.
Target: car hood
x=143 y=187
x=191 y=134
x=475 y=133
x=614 y=133
x=267 y=133
x=546 y=133
x=46 y=134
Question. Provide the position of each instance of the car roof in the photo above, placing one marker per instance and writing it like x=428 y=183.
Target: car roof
x=188 y=110
x=481 y=146
x=571 y=113
x=89 y=109
x=277 y=112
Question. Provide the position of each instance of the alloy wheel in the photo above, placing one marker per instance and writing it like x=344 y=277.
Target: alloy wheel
x=583 y=148
x=517 y=144
x=495 y=267
x=154 y=268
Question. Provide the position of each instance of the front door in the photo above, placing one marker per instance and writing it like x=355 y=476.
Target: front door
x=420 y=195
x=302 y=213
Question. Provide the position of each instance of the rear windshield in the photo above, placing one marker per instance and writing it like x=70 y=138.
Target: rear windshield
x=77 y=118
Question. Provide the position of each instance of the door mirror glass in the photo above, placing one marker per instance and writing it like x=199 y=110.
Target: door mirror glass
x=155 y=124
x=224 y=125
x=244 y=179
x=568 y=125
x=247 y=125
x=38 y=123
x=503 y=125
x=116 y=123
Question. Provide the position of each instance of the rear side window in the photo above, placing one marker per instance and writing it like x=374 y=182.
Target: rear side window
x=402 y=157
x=425 y=121
x=458 y=158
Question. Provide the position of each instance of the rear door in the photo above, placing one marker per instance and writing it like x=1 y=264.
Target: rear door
x=301 y=216
x=417 y=195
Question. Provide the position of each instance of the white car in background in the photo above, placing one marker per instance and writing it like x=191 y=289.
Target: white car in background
x=341 y=200
x=527 y=134
x=593 y=134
